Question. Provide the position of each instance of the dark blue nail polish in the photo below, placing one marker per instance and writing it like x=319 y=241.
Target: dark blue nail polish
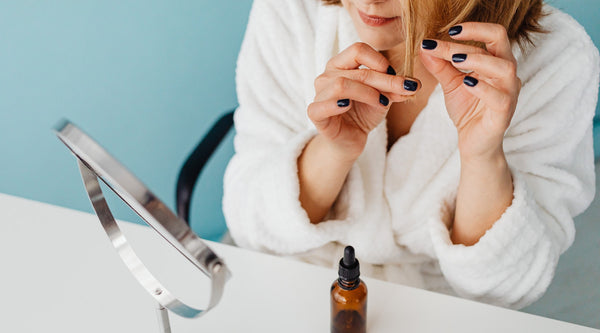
x=391 y=70
x=455 y=30
x=459 y=57
x=470 y=81
x=429 y=44
x=410 y=85
x=343 y=103
x=383 y=100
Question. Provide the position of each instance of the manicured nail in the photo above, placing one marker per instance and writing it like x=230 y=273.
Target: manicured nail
x=470 y=81
x=459 y=57
x=455 y=30
x=383 y=100
x=343 y=103
x=391 y=70
x=429 y=44
x=410 y=85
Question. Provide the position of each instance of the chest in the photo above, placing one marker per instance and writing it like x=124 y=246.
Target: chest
x=402 y=115
x=399 y=120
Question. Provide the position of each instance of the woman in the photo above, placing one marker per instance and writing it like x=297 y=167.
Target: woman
x=462 y=176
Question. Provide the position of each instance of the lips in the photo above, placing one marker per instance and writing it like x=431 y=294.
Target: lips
x=375 y=21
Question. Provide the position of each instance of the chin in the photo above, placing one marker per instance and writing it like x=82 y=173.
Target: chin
x=380 y=41
x=382 y=37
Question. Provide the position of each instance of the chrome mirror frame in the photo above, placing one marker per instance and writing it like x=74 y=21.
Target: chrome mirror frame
x=96 y=163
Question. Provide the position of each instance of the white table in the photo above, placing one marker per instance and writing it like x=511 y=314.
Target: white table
x=60 y=274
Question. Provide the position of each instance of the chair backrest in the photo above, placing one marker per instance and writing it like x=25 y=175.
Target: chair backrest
x=204 y=168
x=192 y=168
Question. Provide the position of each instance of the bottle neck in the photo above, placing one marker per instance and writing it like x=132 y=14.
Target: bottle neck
x=348 y=284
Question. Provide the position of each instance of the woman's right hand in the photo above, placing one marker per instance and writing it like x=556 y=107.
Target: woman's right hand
x=350 y=102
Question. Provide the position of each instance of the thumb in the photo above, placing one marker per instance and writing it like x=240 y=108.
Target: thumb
x=447 y=75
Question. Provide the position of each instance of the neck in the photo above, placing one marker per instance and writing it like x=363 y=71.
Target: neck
x=348 y=284
x=395 y=56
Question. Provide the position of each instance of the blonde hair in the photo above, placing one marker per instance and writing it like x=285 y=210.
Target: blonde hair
x=433 y=18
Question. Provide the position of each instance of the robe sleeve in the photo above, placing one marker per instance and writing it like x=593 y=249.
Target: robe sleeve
x=549 y=150
x=261 y=187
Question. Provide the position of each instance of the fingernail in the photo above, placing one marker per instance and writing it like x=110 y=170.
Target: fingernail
x=455 y=30
x=410 y=85
x=343 y=103
x=391 y=70
x=459 y=57
x=383 y=100
x=429 y=44
x=470 y=81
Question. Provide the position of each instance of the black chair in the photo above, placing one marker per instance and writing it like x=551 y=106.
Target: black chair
x=191 y=169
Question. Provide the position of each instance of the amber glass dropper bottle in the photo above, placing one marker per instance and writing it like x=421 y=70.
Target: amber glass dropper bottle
x=349 y=297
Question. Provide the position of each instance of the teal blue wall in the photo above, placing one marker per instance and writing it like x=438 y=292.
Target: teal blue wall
x=146 y=78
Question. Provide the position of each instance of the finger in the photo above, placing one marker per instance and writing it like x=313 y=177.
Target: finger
x=447 y=75
x=344 y=88
x=321 y=111
x=445 y=50
x=494 y=69
x=398 y=98
x=325 y=82
x=493 y=35
x=359 y=54
x=494 y=99
x=380 y=81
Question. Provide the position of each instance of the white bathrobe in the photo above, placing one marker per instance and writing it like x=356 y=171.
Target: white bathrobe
x=395 y=207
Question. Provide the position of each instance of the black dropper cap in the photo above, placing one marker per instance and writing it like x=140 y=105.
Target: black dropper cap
x=349 y=267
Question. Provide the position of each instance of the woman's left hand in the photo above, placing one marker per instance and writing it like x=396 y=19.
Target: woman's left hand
x=481 y=104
